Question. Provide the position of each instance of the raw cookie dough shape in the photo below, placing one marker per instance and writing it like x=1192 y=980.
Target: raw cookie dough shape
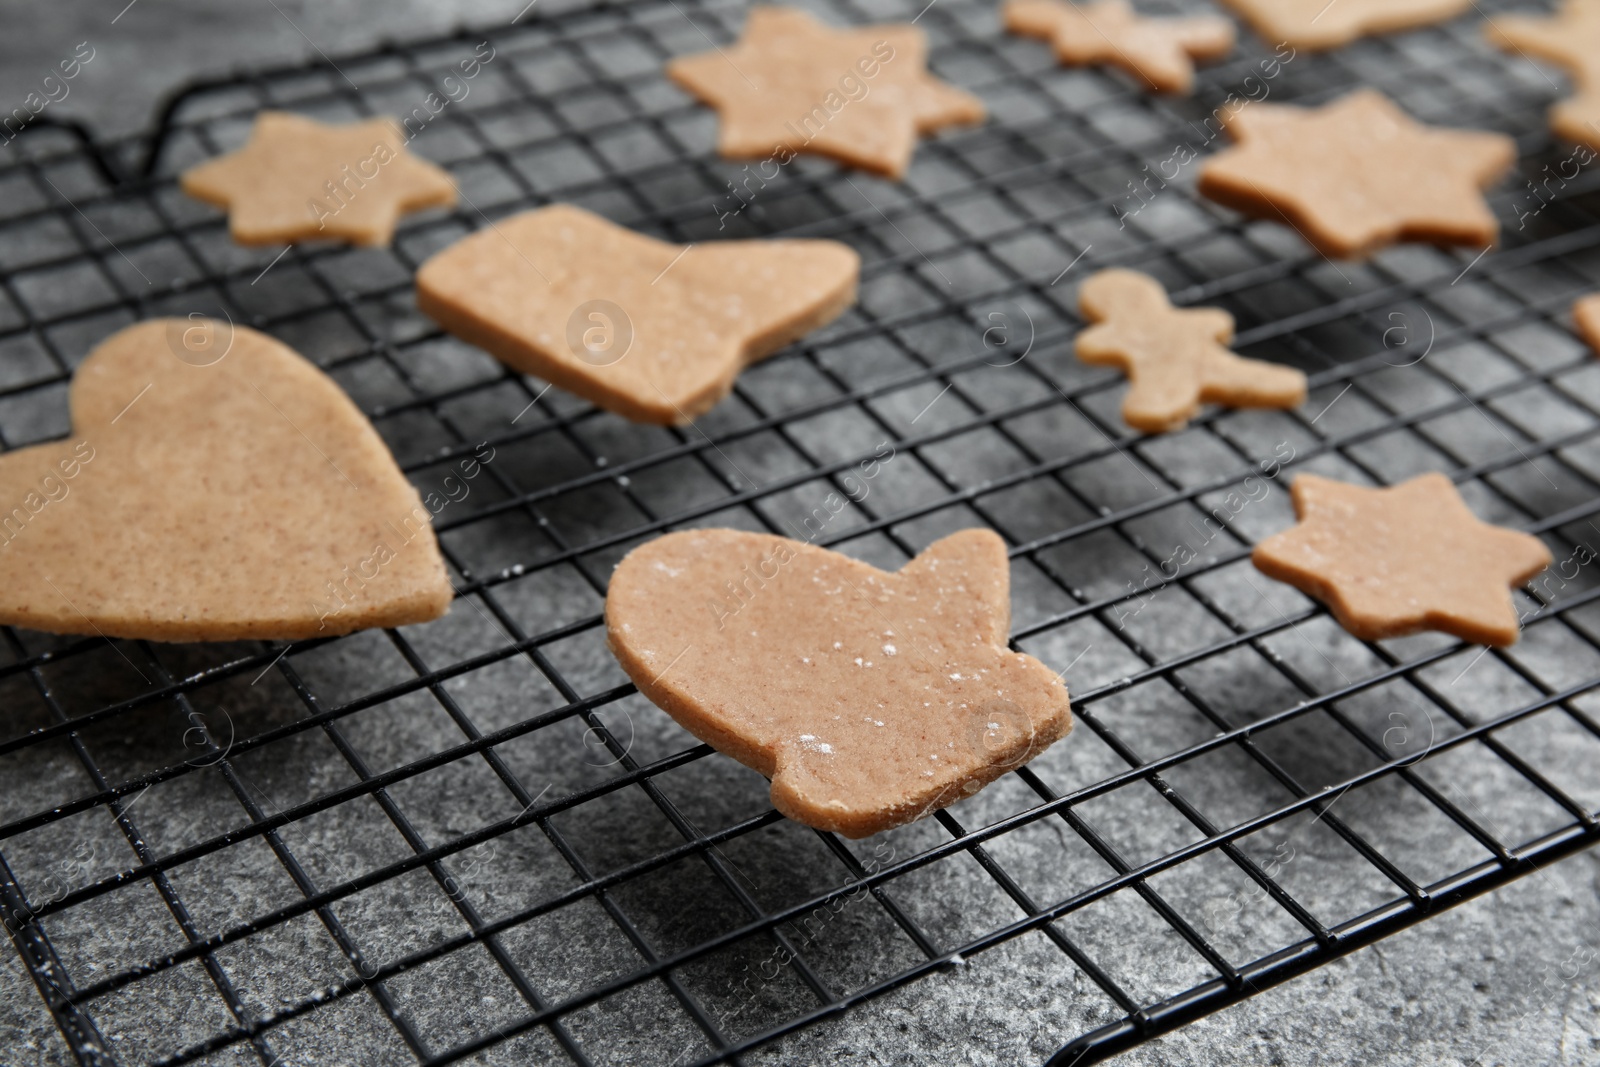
x=1318 y=25
x=860 y=96
x=297 y=179
x=246 y=498
x=672 y=325
x=870 y=699
x=1586 y=317
x=1390 y=562
x=1570 y=39
x=1359 y=173
x=1175 y=358
x=1160 y=52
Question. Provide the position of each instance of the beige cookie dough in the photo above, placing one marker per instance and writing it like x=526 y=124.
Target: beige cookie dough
x=1159 y=52
x=1175 y=358
x=1358 y=174
x=1571 y=39
x=297 y=179
x=216 y=487
x=870 y=699
x=655 y=332
x=1586 y=317
x=1317 y=25
x=861 y=96
x=1390 y=562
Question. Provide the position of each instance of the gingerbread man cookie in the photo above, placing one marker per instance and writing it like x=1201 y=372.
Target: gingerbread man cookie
x=653 y=331
x=870 y=699
x=297 y=179
x=1359 y=173
x=1390 y=562
x=791 y=84
x=217 y=487
x=1160 y=52
x=1572 y=40
x=1175 y=358
x=1317 y=25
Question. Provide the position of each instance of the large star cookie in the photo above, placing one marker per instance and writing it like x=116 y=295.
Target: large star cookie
x=297 y=179
x=653 y=331
x=1359 y=173
x=1322 y=24
x=1571 y=39
x=216 y=487
x=1390 y=562
x=791 y=84
x=870 y=699
x=1160 y=52
x=1175 y=358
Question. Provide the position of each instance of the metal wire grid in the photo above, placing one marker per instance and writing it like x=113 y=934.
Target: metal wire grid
x=1233 y=745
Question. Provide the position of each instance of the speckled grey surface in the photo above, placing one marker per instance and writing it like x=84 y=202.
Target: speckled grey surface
x=1512 y=978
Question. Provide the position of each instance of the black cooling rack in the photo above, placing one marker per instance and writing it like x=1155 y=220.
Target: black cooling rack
x=473 y=839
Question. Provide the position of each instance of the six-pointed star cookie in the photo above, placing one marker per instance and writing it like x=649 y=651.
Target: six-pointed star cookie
x=860 y=96
x=297 y=179
x=1161 y=52
x=1175 y=358
x=870 y=699
x=1390 y=562
x=1572 y=40
x=1324 y=24
x=1359 y=173
x=653 y=331
x=217 y=487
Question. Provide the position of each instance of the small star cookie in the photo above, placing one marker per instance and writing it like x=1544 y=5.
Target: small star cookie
x=1570 y=39
x=1318 y=25
x=1161 y=52
x=653 y=331
x=791 y=84
x=297 y=179
x=1391 y=562
x=869 y=698
x=1175 y=358
x=1359 y=173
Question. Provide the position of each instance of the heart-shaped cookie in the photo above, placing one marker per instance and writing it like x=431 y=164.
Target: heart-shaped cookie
x=217 y=486
x=656 y=332
x=870 y=699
